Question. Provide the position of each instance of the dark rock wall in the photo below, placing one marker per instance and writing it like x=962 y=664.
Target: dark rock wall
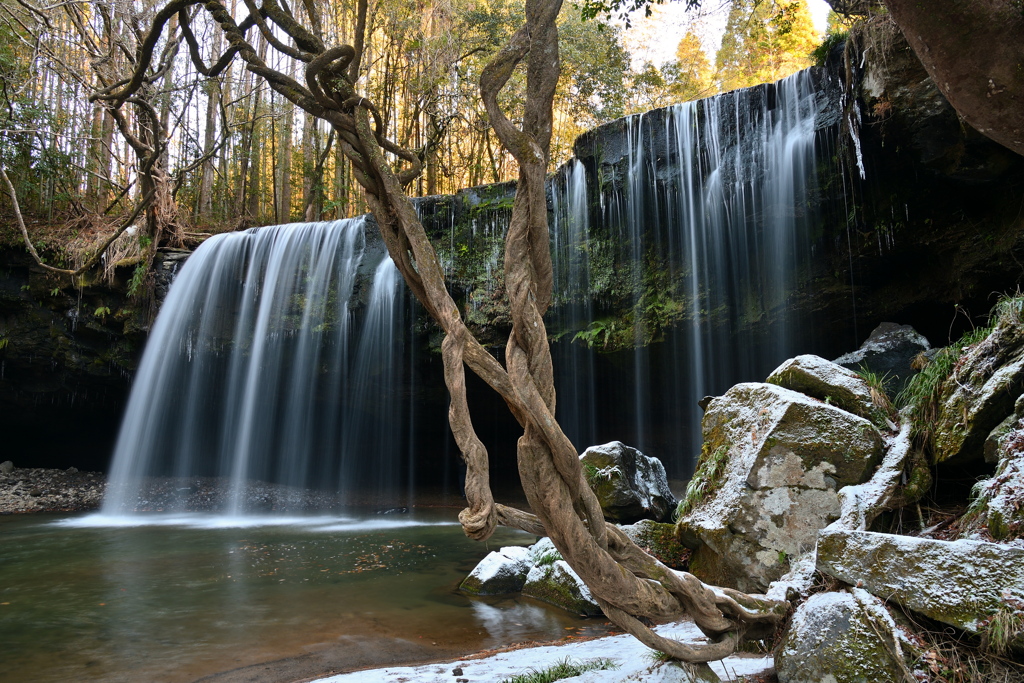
x=66 y=361
x=934 y=228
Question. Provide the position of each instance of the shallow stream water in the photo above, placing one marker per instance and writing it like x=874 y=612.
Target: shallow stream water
x=179 y=598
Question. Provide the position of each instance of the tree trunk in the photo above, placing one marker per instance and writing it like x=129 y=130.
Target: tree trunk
x=284 y=165
x=204 y=203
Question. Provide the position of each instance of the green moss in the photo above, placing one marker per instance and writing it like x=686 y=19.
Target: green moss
x=561 y=593
x=921 y=399
x=919 y=482
x=661 y=541
x=997 y=525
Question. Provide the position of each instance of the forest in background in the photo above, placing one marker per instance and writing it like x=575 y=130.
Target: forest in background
x=220 y=150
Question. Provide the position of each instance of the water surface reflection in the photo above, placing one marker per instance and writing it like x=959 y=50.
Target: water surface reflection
x=174 y=598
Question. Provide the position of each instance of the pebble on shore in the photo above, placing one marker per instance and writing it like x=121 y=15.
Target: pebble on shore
x=49 y=490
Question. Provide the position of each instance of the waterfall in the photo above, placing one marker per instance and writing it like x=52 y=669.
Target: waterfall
x=573 y=308
x=286 y=354
x=269 y=362
x=709 y=207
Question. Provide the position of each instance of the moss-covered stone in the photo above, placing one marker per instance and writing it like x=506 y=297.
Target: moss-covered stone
x=980 y=393
x=500 y=572
x=827 y=381
x=843 y=637
x=998 y=505
x=961 y=583
x=660 y=540
x=628 y=484
x=557 y=584
x=783 y=457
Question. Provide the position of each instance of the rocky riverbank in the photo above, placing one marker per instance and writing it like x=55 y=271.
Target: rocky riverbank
x=25 y=490
x=49 y=490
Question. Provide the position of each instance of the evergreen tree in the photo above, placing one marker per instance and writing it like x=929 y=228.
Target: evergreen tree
x=764 y=40
x=689 y=76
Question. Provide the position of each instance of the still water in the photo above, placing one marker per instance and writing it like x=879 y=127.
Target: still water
x=180 y=598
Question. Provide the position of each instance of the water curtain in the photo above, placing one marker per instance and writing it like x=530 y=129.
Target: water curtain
x=275 y=358
x=285 y=354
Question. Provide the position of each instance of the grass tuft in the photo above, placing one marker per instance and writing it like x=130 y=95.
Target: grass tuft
x=710 y=468
x=879 y=395
x=567 y=668
x=920 y=399
x=548 y=558
x=1003 y=628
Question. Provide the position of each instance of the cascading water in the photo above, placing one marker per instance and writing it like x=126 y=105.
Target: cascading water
x=573 y=308
x=710 y=207
x=264 y=365
x=677 y=240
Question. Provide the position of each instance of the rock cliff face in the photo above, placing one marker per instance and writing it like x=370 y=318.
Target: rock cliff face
x=935 y=225
x=932 y=228
x=66 y=360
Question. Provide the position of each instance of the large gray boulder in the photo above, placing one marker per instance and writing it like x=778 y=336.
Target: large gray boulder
x=829 y=382
x=966 y=584
x=772 y=463
x=980 y=393
x=503 y=571
x=629 y=485
x=890 y=352
x=843 y=637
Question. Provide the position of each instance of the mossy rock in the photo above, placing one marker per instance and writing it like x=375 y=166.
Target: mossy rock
x=628 y=484
x=998 y=505
x=843 y=637
x=499 y=573
x=781 y=458
x=824 y=380
x=966 y=584
x=661 y=541
x=557 y=584
x=980 y=393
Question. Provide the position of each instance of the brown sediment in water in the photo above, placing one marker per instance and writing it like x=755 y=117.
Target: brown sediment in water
x=356 y=653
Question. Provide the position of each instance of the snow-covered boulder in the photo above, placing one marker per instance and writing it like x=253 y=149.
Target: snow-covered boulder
x=843 y=637
x=889 y=352
x=537 y=571
x=767 y=481
x=629 y=485
x=503 y=571
x=998 y=505
x=980 y=393
x=556 y=583
x=966 y=584
x=824 y=380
